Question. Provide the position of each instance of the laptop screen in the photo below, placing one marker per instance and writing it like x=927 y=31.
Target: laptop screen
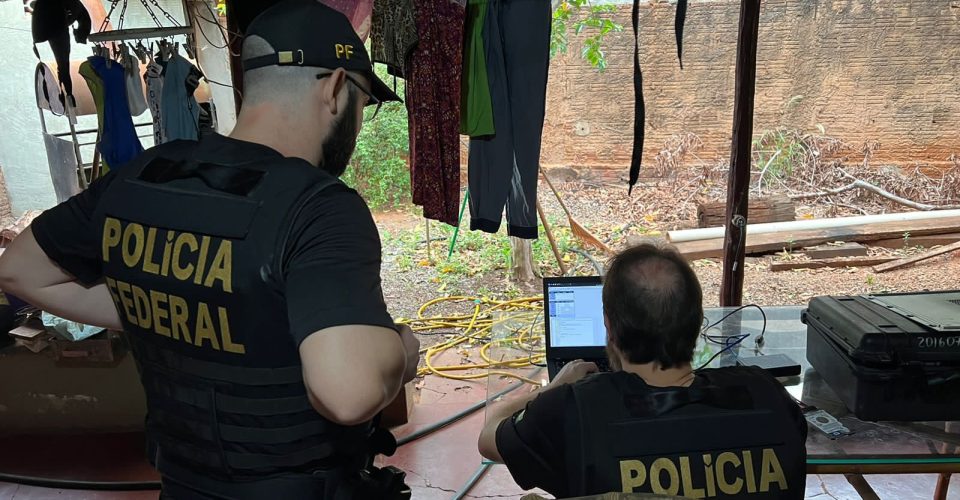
x=576 y=315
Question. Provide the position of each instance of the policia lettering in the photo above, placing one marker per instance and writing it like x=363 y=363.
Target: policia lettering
x=203 y=260
x=722 y=473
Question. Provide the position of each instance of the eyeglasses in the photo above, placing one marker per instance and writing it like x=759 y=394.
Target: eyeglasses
x=371 y=99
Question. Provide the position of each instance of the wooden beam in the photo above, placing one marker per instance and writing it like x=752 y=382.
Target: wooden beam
x=927 y=241
x=821 y=263
x=917 y=258
x=776 y=242
x=847 y=249
x=738 y=186
x=235 y=46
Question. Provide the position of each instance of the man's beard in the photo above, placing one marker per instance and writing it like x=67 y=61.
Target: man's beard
x=613 y=359
x=339 y=146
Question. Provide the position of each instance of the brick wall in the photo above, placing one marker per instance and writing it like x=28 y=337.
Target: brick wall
x=864 y=70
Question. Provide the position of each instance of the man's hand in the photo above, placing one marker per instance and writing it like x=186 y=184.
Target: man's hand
x=411 y=347
x=573 y=371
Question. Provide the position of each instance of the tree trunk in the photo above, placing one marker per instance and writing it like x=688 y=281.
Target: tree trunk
x=524 y=269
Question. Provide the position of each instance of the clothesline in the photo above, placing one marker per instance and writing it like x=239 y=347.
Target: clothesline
x=138 y=34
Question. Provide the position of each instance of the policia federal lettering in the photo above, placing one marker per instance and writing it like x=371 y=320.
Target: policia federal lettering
x=193 y=253
x=198 y=259
x=732 y=434
x=706 y=475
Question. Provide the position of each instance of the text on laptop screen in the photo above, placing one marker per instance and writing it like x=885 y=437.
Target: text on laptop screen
x=576 y=316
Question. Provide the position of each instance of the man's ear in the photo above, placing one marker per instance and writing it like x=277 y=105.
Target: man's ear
x=606 y=326
x=331 y=90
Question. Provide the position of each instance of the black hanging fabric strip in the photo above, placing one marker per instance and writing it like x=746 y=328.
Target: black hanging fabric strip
x=639 y=111
x=678 y=28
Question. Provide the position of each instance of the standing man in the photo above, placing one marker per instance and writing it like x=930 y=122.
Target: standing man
x=654 y=424
x=247 y=277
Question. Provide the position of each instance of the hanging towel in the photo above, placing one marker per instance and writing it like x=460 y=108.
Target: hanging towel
x=135 y=99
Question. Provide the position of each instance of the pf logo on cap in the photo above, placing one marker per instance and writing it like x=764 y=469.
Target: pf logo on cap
x=343 y=51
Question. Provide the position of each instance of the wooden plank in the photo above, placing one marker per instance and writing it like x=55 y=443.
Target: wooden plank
x=775 y=242
x=817 y=264
x=917 y=258
x=848 y=249
x=927 y=241
x=714 y=213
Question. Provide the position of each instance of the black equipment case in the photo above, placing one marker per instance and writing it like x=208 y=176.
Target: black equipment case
x=882 y=365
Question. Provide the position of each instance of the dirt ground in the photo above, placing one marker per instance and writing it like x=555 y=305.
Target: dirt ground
x=612 y=215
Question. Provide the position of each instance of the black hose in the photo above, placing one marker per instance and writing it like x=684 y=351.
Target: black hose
x=474 y=479
x=71 y=484
x=461 y=414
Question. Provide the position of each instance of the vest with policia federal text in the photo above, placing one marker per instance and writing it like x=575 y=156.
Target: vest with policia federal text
x=189 y=253
x=716 y=439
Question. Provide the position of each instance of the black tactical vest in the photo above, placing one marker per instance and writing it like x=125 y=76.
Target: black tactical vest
x=719 y=438
x=190 y=257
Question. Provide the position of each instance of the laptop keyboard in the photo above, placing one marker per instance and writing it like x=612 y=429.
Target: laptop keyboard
x=602 y=363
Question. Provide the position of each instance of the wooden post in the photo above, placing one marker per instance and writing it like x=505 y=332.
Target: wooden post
x=235 y=46
x=429 y=254
x=550 y=238
x=738 y=185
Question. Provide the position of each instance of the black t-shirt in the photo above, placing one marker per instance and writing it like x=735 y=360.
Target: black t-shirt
x=332 y=269
x=534 y=441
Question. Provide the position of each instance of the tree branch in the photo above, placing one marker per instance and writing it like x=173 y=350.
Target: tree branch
x=860 y=184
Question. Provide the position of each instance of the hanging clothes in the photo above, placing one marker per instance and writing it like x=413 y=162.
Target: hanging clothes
x=50 y=23
x=393 y=35
x=476 y=111
x=118 y=137
x=153 y=79
x=179 y=110
x=433 y=108
x=503 y=168
x=135 y=98
x=95 y=83
x=359 y=12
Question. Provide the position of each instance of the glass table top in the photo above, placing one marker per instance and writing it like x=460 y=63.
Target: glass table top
x=518 y=341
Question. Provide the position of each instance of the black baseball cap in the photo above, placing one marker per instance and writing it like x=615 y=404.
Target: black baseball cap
x=309 y=33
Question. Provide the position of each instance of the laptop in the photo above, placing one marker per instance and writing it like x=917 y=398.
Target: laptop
x=573 y=322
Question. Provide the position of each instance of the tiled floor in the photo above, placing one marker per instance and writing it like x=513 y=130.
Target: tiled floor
x=437 y=465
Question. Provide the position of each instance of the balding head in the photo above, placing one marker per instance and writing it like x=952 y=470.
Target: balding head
x=653 y=304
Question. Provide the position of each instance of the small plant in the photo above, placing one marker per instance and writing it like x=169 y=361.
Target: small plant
x=906 y=239
x=779 y=152
x=871 y=280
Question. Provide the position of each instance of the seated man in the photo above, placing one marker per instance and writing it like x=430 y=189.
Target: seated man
x=654 y=424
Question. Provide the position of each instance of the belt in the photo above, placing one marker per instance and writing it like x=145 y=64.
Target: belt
x=318 y=485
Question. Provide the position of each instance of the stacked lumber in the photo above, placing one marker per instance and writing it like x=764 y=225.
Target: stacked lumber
x=821 y=263
x=761 y=210
x=794 y=240
x=928 y=241
x=835 y=250
x=917 y=258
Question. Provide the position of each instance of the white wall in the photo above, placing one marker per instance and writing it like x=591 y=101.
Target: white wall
x=22 y=155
